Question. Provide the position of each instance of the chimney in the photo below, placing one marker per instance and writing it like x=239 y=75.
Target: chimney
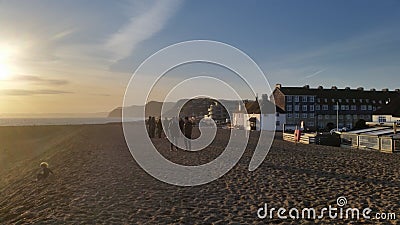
x=360 y=89
x=347 y=88
x=320 y=88
x=278 y=86
x=306 y=86
x=373 y=89
x=334 y=88
x=385 y=89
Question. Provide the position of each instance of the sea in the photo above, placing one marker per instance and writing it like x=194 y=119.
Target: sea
x=60 y=121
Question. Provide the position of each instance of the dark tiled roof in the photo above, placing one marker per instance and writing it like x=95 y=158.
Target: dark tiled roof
x=393 y=108
x=267 y=107
x=339 y=93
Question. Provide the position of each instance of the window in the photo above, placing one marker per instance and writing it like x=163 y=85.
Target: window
x=325 y=107
x=340 y=117
x=353 y=107
x=342 y=107
x=370 y=107
x=296 y=98
x=363 y=107
x=278 y=123
x=310 y=123
x=354 y=100
x=311 y=108
x=312 y=99
x=347 y=107
x=289 y=98
x=367 y=100
x=297 y=115
x=355 y=116
x=317 y=107
x=277 y=114
x=312 y=115
x=333 y=100
x=304 y=115
x=318 y=100
x=289 y=115
x=361 y=100
x=380 y=101
x=296 y=108
x=361 y=117
x=340 y=100
x=320 y=117
x=325 y=100
x=374 y=108
x=382 y=119
x=289 y=108
x=335 y=107
x=347 y=100
x=304 y=98
x=305 y=108
x=348 y=117
x=327 y=117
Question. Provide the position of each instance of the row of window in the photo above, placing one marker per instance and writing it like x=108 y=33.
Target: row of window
x=302 y=98
x=320 y=117
x=305 y=98
x=311 y=108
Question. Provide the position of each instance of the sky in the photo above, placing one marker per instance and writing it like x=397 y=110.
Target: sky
x=78 y=56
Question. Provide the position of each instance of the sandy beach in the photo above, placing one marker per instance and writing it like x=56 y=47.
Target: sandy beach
x=97 y=181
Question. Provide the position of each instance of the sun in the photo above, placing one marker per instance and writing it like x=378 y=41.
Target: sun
x=5 y=69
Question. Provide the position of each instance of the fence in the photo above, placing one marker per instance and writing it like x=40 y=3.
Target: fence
x=304 y=139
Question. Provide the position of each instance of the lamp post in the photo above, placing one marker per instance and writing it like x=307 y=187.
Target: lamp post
x=337 y=116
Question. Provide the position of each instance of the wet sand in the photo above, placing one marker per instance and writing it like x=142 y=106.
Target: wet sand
x=97 y=181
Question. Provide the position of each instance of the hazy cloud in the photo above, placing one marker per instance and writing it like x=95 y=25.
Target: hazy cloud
x=314 y=74
x=24 y=92
x=141 y=27
x=41 y=80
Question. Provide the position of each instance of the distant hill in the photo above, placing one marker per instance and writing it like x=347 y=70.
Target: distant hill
x=193 y=107
x=153 y=108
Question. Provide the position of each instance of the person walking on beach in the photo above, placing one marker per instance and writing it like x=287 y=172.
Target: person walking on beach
x=159 y=128
x=152 y=127
x=173 y=131
x=188 y=126
x=181 y=124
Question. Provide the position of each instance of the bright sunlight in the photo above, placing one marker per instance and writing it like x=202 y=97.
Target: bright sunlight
x=6 y=53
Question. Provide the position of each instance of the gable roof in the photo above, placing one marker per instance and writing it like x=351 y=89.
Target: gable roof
x=393 y=108
x=267 y=107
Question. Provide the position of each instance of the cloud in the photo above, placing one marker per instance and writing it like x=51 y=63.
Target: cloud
x=40 y=80
x=140 y=28
x=314 y=74
x=24 y=92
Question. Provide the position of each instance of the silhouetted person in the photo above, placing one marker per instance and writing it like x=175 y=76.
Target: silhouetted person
x=173 y=131
x=45 y=171
x=159 y=127
x=181 y=124
x=152 y=127
x=187 y=131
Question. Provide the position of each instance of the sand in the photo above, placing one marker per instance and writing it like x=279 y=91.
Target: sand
x=97 y=181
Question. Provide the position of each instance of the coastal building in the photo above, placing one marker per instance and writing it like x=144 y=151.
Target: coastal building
x=321 y=108
x=218 y=110
x=388 y=114
x=251 y=118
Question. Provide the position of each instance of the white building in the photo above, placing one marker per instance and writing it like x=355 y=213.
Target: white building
x=388 y=114
x=272 y=118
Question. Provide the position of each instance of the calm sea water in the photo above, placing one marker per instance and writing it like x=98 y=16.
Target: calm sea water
x=58 y=121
